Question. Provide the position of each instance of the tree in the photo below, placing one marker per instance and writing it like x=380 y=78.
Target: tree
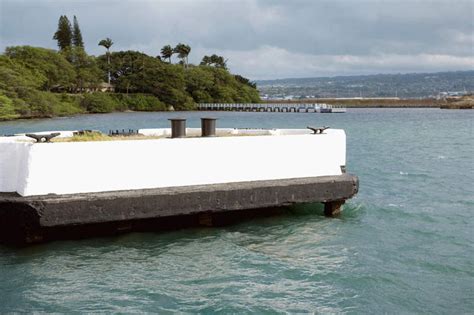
x=125 y=67
x=88 y=74
x=183 y=52
x=76 y=34
x=206 y=61
x=107 y=43
x=14 y=75
x=214 y=60
x=59 y=73
x=245 y=81
x=64 y=33
x=219 y=61
x=167 y=52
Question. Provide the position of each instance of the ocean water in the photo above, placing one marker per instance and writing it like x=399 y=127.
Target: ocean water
x=404 y=244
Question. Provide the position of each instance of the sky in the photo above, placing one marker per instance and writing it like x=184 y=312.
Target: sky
x=266 y=39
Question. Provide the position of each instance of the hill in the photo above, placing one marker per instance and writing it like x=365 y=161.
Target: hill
x=411 y=85
x=38 y=82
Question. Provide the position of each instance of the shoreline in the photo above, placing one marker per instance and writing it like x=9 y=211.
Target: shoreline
x=440 y=105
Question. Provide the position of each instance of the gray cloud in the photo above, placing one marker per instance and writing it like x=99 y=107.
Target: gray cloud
x=266 y=39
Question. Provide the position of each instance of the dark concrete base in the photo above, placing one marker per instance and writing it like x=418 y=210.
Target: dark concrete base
x=42 y=218
x=333 y=208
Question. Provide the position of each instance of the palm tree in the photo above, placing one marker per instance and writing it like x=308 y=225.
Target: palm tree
x=183 y=52
x=167 y=52
x=107 y=43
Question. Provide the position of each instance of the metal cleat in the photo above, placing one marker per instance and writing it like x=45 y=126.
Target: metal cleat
x=318 y=130
x=43 y=138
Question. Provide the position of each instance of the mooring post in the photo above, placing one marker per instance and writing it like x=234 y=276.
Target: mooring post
x=333 y=208
x=208 y=127
x=178 y=127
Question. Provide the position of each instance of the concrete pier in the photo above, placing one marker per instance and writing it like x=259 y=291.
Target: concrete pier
x=33 y=219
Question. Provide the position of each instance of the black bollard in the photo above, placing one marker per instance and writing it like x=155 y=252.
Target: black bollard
x=208 y=127
x=178 y=127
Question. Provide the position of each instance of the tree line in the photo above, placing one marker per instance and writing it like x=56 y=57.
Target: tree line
x=41 y=82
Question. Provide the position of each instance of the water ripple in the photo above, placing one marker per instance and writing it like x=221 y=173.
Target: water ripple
x=404 y=244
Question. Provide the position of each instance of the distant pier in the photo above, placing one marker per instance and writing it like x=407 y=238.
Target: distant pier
x=272 y=107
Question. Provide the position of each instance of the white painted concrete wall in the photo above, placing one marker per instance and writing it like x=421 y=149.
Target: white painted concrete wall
x=13 y=165
x=80 y=167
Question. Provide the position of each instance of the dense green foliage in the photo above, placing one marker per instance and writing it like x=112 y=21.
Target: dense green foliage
x=140 y=102
x=40 y=82
x=7 y=111
x=135 y=72
x=52 y=67
x=99 y=103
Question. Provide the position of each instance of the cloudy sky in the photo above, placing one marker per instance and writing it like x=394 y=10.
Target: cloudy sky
x=264 y=39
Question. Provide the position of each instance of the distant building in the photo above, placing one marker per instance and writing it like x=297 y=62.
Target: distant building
x=106 y=87
x=452 y=94
x=102 y=87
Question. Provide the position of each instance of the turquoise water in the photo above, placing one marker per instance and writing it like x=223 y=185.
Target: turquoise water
x=404 y=244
